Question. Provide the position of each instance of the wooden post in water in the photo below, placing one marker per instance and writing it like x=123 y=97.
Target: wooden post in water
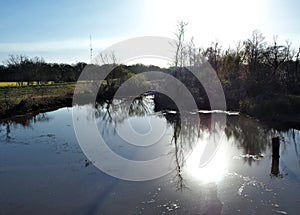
x=275 y=147
x=275 y=156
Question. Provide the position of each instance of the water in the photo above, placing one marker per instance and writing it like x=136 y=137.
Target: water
x=43 y=169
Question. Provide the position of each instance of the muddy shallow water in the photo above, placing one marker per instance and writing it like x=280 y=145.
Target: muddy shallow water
x=43 y=169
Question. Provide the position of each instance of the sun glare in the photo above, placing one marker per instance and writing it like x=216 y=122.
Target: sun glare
x=214 y=170
x=208 y=21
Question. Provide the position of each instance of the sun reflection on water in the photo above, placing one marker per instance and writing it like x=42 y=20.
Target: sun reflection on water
x=215 y=169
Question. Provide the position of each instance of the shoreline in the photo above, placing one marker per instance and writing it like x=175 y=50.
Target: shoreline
x=34 y=107
x=34 y=99
x=61 y=95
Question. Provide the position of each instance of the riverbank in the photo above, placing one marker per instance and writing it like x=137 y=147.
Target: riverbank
x=31 y=99
x=279 y=110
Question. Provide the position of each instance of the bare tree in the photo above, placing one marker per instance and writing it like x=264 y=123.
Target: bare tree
x=297 y=63
x=238 y=47
x=15 y=60
x=192 y=55
x=212 y=54
x=276 y=55
x=106 y=58
x=179 y=44
x=254 y=49
x=297 y=58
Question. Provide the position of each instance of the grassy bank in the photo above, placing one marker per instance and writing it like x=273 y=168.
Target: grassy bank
x=18 y=100
x=21 y=100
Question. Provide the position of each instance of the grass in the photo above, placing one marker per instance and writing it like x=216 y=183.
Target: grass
x=12 y=96
x=15 y=99
x=17 y=84
x=16 y=94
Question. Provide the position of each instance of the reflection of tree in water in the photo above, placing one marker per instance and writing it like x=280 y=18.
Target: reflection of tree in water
x=8 y=131
x=178 y=147
x=5 y=126
x=25 y=121
x=295 y=144
x=292 y=137
x=250 y=136
x=43 y=117
x=115 y=111
x=186 y=128
x=186 y=132
x=120 y=109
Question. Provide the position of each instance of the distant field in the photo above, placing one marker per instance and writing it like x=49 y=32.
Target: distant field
x=11 y=95
x=11 y=84
x=15 y=84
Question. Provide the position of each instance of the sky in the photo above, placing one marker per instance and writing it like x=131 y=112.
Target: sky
x=59 y=31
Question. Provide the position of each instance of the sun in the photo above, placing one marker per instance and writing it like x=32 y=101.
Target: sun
x=208 y=21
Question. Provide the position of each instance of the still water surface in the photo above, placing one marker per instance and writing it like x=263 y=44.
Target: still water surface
x=44 y=171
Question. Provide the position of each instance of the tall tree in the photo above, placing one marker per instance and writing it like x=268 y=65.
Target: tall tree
x=179 y=44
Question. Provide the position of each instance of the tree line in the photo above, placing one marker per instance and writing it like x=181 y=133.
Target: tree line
x=20 y=68
x=253 y=65
x=252 y=68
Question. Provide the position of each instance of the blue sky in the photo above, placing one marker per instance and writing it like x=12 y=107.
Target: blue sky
x=59 y=31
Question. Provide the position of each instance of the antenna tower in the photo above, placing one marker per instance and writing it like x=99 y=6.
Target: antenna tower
x=91 y=49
